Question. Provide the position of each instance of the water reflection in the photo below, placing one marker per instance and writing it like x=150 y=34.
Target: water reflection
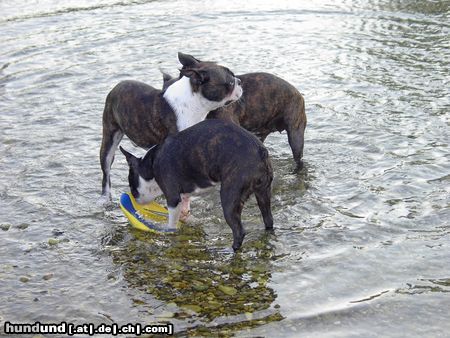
x=423 y=286
x=200 y=284
x=440 y=8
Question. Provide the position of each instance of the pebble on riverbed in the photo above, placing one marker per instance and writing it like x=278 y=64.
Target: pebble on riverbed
x=228 y=290
x=53 y=241
x=5 y=227
x=47 y=276
x=22 y=226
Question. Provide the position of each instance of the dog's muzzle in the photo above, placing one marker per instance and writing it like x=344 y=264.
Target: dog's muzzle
x=237 y=90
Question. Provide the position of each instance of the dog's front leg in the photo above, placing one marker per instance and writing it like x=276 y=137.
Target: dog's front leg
x=174 y=215
x=185 y=207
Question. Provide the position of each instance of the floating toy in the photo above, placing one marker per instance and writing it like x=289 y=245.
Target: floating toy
x=143 y=217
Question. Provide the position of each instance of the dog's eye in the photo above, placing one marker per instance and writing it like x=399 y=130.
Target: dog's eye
x=231 y=84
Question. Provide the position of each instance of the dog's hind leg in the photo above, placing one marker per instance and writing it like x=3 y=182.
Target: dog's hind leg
x=296 y=137
x=110 y=142
x=232 y=204
x=295 y=123
x=263 y=195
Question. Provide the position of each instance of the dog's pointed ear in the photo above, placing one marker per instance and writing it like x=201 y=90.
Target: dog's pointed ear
x=166 y=77
x=197 y=77
x=149 y=156
x=129 y=156
x=187 y=60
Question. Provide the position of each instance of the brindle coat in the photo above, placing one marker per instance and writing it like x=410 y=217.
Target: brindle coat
x=140 y=111
x=268 y=104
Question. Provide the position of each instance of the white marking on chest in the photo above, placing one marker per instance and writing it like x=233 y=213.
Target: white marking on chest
x=189 y=107
x=148 y=191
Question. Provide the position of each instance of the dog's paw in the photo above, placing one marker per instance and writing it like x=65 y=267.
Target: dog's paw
x=185 y=216
x=104 y=201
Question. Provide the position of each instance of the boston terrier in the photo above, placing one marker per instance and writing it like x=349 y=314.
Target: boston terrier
x=148 y=115
x=198 y=157
x=268 y=104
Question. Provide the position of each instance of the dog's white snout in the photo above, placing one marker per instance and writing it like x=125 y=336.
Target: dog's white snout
x=148 y=191
x=237 y=91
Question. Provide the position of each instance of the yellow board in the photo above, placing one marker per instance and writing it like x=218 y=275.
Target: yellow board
x=143 y=217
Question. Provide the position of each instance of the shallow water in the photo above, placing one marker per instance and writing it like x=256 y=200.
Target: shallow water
x=362 y=240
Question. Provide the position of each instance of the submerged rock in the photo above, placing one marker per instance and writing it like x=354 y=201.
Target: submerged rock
x=5 y=227
x=192 y=307
x=47 y=276
x=228 y=290
x=53 y=241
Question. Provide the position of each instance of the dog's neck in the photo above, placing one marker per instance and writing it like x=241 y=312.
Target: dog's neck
x=190 y=107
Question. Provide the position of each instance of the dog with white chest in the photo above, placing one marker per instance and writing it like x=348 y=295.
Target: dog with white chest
x=268 y=104
x=148 y=115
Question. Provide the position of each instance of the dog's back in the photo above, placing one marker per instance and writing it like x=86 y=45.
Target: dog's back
x=216 y=149
x=132 y=103
x=268 y=104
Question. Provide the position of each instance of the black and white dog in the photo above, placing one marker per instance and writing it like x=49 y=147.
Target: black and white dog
x=268 y=104
x=148 y=115
x=198 y=157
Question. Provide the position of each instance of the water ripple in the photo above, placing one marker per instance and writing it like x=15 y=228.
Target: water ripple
x=361 y=236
